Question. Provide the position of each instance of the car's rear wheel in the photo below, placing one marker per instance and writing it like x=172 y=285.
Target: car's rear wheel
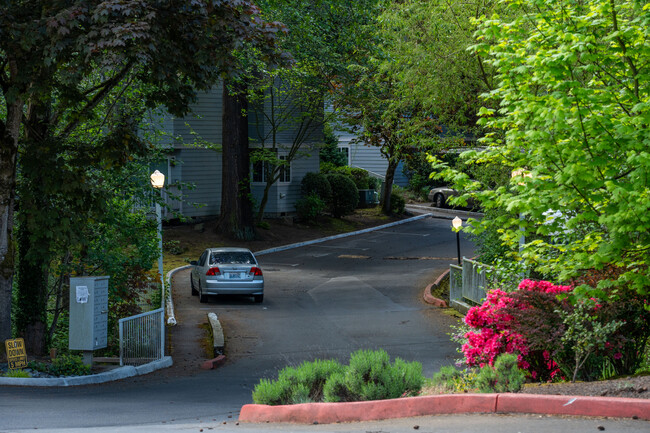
x=194 y=291
x=439 y=200
x=258 y=298
x=202 y=298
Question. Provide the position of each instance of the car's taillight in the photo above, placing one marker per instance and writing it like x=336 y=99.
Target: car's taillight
x=255 y=271
x=213 y=271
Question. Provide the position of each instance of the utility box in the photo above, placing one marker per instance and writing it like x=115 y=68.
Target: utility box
x=88 y=329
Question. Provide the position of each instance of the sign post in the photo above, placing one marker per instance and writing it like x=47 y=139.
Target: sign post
x=16 y=354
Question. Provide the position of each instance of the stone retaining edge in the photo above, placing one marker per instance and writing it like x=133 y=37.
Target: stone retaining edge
x=329 y=413
x=429 y=298
x=91 y=379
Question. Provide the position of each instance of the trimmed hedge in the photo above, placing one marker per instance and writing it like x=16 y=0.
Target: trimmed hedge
x=345 y=195
x=316 y=183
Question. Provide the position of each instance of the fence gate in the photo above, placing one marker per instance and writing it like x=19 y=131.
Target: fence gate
x=468 y=285
x=142 y=338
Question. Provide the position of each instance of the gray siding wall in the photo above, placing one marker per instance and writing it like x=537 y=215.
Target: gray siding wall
x=202 y=169
x=204 y=120
x=369 y=158
x=283 y=195
x=289 y=125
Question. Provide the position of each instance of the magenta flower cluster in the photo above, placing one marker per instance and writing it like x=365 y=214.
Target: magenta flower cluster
x=492 y=331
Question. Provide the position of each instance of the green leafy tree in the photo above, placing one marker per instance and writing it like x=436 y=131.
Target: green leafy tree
x=323 y=37
x=573 y=94
x=60 y=61
x=427 y=43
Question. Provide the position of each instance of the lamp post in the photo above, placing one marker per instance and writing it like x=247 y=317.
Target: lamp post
x=457 y=224
x=158 y=181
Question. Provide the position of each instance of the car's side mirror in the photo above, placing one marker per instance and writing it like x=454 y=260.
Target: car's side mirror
x=194 y=263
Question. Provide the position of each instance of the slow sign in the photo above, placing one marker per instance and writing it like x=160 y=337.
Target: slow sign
x=16 y=354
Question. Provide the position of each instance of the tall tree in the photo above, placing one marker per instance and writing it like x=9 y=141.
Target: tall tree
x=573 y=96
x=427 y=46
x=324 y=37
x=236 y=220
x=60 y=60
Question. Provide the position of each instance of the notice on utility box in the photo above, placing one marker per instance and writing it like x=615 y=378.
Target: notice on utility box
x=16 y=354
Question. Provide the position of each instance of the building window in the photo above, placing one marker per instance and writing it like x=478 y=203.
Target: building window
x=285 y=170
x=345 y=151
x=262 y=170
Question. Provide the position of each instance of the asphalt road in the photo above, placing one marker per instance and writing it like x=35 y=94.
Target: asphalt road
x=322 y=301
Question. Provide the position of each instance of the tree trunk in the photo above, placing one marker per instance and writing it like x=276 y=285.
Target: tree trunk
x=265 y=199
x=31 y=306
x=34 y=245
x=9 y=132
x=388 y=187
x=237 y=218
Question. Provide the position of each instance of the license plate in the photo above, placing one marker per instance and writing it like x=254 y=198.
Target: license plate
x=235 y=276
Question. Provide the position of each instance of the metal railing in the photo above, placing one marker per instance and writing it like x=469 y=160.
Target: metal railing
x=469 y=282
x=142 y=338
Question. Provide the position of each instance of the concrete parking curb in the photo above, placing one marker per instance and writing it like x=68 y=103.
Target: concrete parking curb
x=429 y=298
x=328 y=413
x=342 y=235
x=216 y=332
x=91 y=379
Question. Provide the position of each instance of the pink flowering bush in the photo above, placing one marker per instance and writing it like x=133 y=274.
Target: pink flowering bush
x=520 y=322
x=532 y=322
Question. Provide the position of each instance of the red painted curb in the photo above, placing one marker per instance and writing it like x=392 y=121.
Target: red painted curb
x=329 y=413
x=441 y=277
x=213 y=363
x=430 y=299
x=617 y=407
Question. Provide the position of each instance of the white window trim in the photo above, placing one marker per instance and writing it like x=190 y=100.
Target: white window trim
x=346 y=147
x=280 y=181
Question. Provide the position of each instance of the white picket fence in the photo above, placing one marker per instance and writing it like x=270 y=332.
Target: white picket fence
x=468 y=284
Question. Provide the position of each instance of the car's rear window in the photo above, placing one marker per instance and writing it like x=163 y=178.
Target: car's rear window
x=238 y=258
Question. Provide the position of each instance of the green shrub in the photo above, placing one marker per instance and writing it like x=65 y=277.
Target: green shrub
x=374 y=183
x=264 y=225
x=309 y=208
x=360 y=177
x=316 y=183
x=335 y=389
x=345 y=195
x=300 y=384
x=447 y=377
x=270 y=392
x=63 y=365
x=451 y=379
x=505 y=376
x=18 y=373
x=370 y=376
x=397 y=204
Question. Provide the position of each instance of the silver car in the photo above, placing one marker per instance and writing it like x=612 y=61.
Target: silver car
x=227 y=271
x=440 y=197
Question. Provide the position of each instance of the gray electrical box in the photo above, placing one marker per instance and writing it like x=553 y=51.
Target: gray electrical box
x=88 y=313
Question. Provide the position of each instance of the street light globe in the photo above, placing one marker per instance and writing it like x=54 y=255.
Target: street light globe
x=157 y=179
x=457 y=223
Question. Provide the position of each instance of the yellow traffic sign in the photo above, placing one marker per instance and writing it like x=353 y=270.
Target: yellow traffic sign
x=16 y=354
